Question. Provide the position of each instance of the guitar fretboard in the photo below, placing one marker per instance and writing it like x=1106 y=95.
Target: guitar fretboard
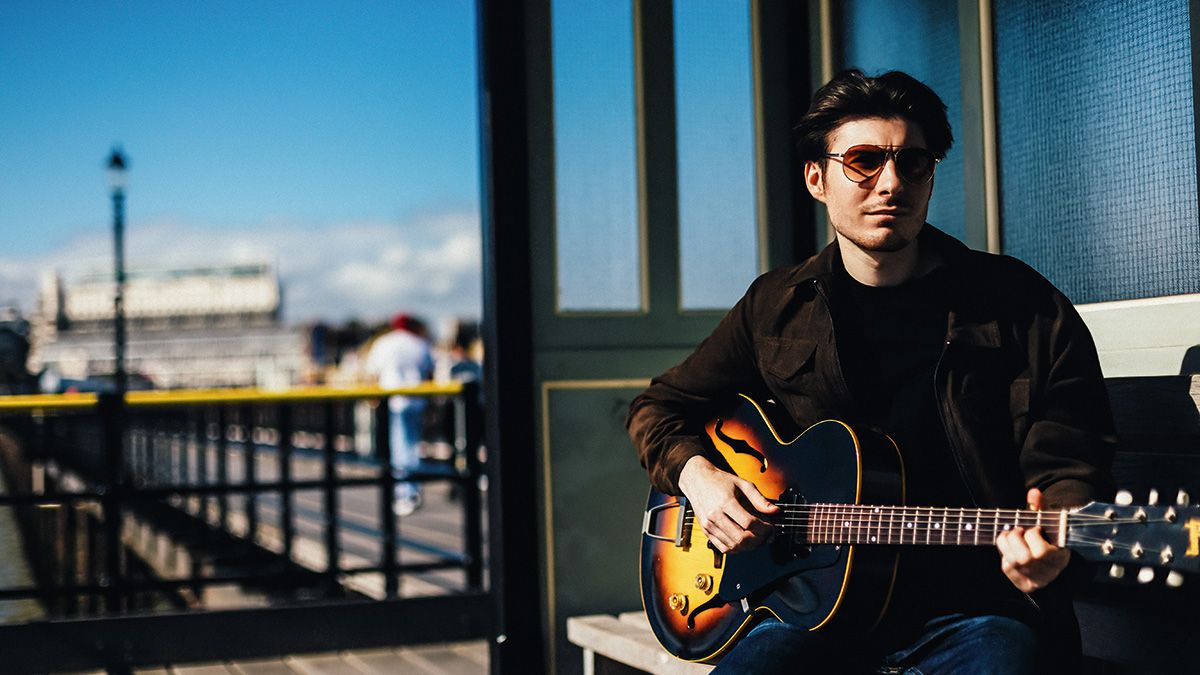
x=951 y=526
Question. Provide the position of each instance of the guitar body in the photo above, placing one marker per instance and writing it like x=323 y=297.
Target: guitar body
x=699 y=602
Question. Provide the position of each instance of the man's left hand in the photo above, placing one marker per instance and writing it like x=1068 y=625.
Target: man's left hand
x=1028 y=560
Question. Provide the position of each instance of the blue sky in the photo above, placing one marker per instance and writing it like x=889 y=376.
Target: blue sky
x=287 y=131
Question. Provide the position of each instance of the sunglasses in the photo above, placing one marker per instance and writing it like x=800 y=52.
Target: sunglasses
x=861 y=163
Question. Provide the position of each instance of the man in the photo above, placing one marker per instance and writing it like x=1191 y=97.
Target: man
x=978 y=367
x=402 y=358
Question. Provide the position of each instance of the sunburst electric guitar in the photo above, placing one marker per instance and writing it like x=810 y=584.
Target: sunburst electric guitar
x=831 y=561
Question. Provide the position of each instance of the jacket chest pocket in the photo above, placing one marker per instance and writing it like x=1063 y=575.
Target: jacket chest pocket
x=784 y=362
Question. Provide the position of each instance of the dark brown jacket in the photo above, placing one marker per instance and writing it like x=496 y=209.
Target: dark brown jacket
x=1019 y=384
x=1021 y=395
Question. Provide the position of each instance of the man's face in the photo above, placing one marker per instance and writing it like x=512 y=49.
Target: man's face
x=883 y=213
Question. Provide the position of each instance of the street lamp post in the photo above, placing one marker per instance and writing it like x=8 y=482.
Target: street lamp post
x=116 y=176
x=112 y=404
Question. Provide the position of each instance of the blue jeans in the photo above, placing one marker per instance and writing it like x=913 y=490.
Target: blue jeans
x=405 y=438
x=956 y=644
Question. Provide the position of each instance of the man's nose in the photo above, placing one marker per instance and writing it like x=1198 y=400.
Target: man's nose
x=888 y=180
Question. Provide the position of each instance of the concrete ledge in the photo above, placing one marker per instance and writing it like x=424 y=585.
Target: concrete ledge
x=626 y=639
x=1144 y=337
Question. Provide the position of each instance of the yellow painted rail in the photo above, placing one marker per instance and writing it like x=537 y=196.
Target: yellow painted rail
x=181 y=397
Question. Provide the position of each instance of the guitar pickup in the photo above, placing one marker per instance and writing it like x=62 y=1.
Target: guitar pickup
x=682 y=536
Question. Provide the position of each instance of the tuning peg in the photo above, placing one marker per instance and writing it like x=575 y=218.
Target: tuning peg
x=1167 y=555
x=1170 y=516
x=1124 y=497
x=1183 y=498
x=1174 y=579
x=1117 y=571
x=1145 y=575
x=1152 y=500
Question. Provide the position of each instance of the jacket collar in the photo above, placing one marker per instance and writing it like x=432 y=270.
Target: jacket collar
x=963 y=326
x=952 y=251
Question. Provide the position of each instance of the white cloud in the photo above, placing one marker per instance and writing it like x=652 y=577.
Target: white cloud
x=429 y=266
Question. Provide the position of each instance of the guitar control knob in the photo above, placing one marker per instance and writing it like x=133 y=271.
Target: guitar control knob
x=1174 y=579
x=704 y=582
x=677 y=602
x=1145 y=575
x=1117 y=571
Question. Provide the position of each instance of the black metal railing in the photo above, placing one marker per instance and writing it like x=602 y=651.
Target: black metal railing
x=140 y=505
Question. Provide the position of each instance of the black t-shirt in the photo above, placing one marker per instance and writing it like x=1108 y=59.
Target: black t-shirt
x=889 y=340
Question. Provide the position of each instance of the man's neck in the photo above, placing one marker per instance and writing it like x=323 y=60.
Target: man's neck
x=884 y=268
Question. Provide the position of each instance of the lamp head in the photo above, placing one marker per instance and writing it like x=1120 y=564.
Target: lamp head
x=116 y=169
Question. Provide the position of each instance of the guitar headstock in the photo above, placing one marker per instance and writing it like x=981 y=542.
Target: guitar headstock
x=1150 y=535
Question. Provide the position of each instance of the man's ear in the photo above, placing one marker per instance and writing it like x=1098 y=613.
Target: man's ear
x=814 y=179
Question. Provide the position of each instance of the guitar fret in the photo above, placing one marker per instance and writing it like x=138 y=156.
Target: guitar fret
x=958 y=534
x=978 y=513
x=928 y=526
x=945 y=514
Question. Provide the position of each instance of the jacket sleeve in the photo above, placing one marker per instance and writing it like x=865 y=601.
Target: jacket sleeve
x=666 y=422
x=1069 y=449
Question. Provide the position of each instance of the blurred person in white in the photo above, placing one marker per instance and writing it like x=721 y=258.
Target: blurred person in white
x=402 y=358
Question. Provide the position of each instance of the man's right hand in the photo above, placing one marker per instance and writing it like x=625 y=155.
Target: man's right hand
x=728 y=508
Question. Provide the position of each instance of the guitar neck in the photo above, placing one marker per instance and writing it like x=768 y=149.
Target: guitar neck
x=908 y=525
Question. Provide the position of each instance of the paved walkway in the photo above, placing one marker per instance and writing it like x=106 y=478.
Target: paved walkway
x=465 y=658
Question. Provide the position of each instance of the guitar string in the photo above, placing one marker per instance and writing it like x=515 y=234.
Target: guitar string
x=831 y=529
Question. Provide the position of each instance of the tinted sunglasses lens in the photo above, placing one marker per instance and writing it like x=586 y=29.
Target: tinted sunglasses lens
x=915 y=165
x=862 y=162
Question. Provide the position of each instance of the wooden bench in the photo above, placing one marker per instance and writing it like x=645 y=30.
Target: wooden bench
x=617 y=645
x=1128 y=628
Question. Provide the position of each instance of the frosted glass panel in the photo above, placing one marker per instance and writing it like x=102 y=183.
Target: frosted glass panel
x=919 y=37
x=718 y=247
x=1097 y=146
x=597 y=242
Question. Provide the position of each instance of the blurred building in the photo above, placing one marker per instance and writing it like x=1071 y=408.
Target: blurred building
x=197 y=327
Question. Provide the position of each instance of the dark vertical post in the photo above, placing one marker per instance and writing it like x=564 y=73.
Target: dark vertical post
x=223 y=465
x=111 y=407
x=116 y=168
x=514 y=54
x=332 y=545
x=387 y=494
x=283 y=422
x=200 y=432
x=71 y=561
x=250 y=475
x=93 y=572
x=470 y=428
x=182 y=440
x=781 y=85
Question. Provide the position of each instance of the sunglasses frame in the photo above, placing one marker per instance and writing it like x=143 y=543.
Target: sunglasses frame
x=889 y=152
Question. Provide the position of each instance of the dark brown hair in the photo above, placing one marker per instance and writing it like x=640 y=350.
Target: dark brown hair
x=851 y=95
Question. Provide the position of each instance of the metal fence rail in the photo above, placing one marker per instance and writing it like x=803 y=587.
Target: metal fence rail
x=217 y=472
